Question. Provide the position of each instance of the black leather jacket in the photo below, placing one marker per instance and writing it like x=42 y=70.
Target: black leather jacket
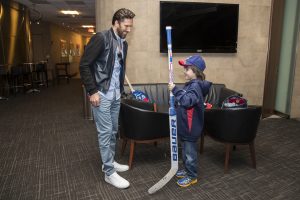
x=97 y=62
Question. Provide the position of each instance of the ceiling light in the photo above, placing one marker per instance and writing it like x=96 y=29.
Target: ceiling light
x=70 y=12
x=91 y=30
x=87 y=26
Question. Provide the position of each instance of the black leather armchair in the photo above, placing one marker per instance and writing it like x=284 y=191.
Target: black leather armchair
x=232 y=127
x=141 y=126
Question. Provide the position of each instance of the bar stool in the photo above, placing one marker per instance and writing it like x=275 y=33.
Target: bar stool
x=21 y=77
x=28 y=71
x=17 y=78
x=4 y=85
x=62 y=71
x=40 y=73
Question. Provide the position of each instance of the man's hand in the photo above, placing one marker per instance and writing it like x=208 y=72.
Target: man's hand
x=171 y=86
x=95 y=99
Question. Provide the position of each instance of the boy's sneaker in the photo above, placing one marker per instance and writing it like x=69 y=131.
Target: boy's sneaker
x=186 y=181
x=181 y=173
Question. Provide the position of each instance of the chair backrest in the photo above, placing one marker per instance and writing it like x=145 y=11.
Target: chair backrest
x=157 y=92
x=214 y=93
x=151 y=90
x=139 y=104
x=233 y=125
x=140 y=124
x=162 y=95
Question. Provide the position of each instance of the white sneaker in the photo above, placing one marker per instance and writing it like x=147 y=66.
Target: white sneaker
x=117 y=181
x=118 y=167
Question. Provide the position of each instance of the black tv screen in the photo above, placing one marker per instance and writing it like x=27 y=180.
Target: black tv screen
x=199 y=27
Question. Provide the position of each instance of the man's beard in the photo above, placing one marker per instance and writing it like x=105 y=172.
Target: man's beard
x=121 y=34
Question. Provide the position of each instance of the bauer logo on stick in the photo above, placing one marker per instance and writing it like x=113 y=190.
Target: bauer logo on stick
x=174 y=140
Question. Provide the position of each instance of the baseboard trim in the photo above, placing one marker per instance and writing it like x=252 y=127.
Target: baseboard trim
x=283 y=115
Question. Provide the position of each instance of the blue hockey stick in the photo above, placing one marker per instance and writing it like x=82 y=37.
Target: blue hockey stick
x=172 y=123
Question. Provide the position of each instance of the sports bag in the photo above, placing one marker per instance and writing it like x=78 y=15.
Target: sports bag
x=235 y=101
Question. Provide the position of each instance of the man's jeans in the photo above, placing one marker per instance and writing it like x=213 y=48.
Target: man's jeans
x=106 y=119
x=190 y=158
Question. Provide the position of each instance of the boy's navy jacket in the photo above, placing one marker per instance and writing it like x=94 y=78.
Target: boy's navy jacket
x=190 y=108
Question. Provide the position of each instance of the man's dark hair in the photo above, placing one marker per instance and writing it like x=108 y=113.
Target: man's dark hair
x=122 y=14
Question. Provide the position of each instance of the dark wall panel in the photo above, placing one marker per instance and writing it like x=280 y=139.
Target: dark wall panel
x=15 y=37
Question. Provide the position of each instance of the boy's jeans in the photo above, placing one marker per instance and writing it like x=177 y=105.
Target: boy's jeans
x=190 y=158
x=106 y=119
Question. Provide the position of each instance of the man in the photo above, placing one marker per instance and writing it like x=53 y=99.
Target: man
x=102 y=70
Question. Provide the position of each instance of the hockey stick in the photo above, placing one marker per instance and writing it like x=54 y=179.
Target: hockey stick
x=139 y=95
x=172 y=123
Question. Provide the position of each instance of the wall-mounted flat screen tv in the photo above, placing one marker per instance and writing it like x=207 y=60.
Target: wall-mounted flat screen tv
x=199 y=27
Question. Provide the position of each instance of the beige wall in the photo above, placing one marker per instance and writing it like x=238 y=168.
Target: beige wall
x=243 y=71
x=59 y=33
x=46 y=41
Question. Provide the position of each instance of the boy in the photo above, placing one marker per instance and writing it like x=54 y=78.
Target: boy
x=190 y=115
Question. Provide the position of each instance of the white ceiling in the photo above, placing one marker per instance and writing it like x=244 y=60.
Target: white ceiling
x=49 y=10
